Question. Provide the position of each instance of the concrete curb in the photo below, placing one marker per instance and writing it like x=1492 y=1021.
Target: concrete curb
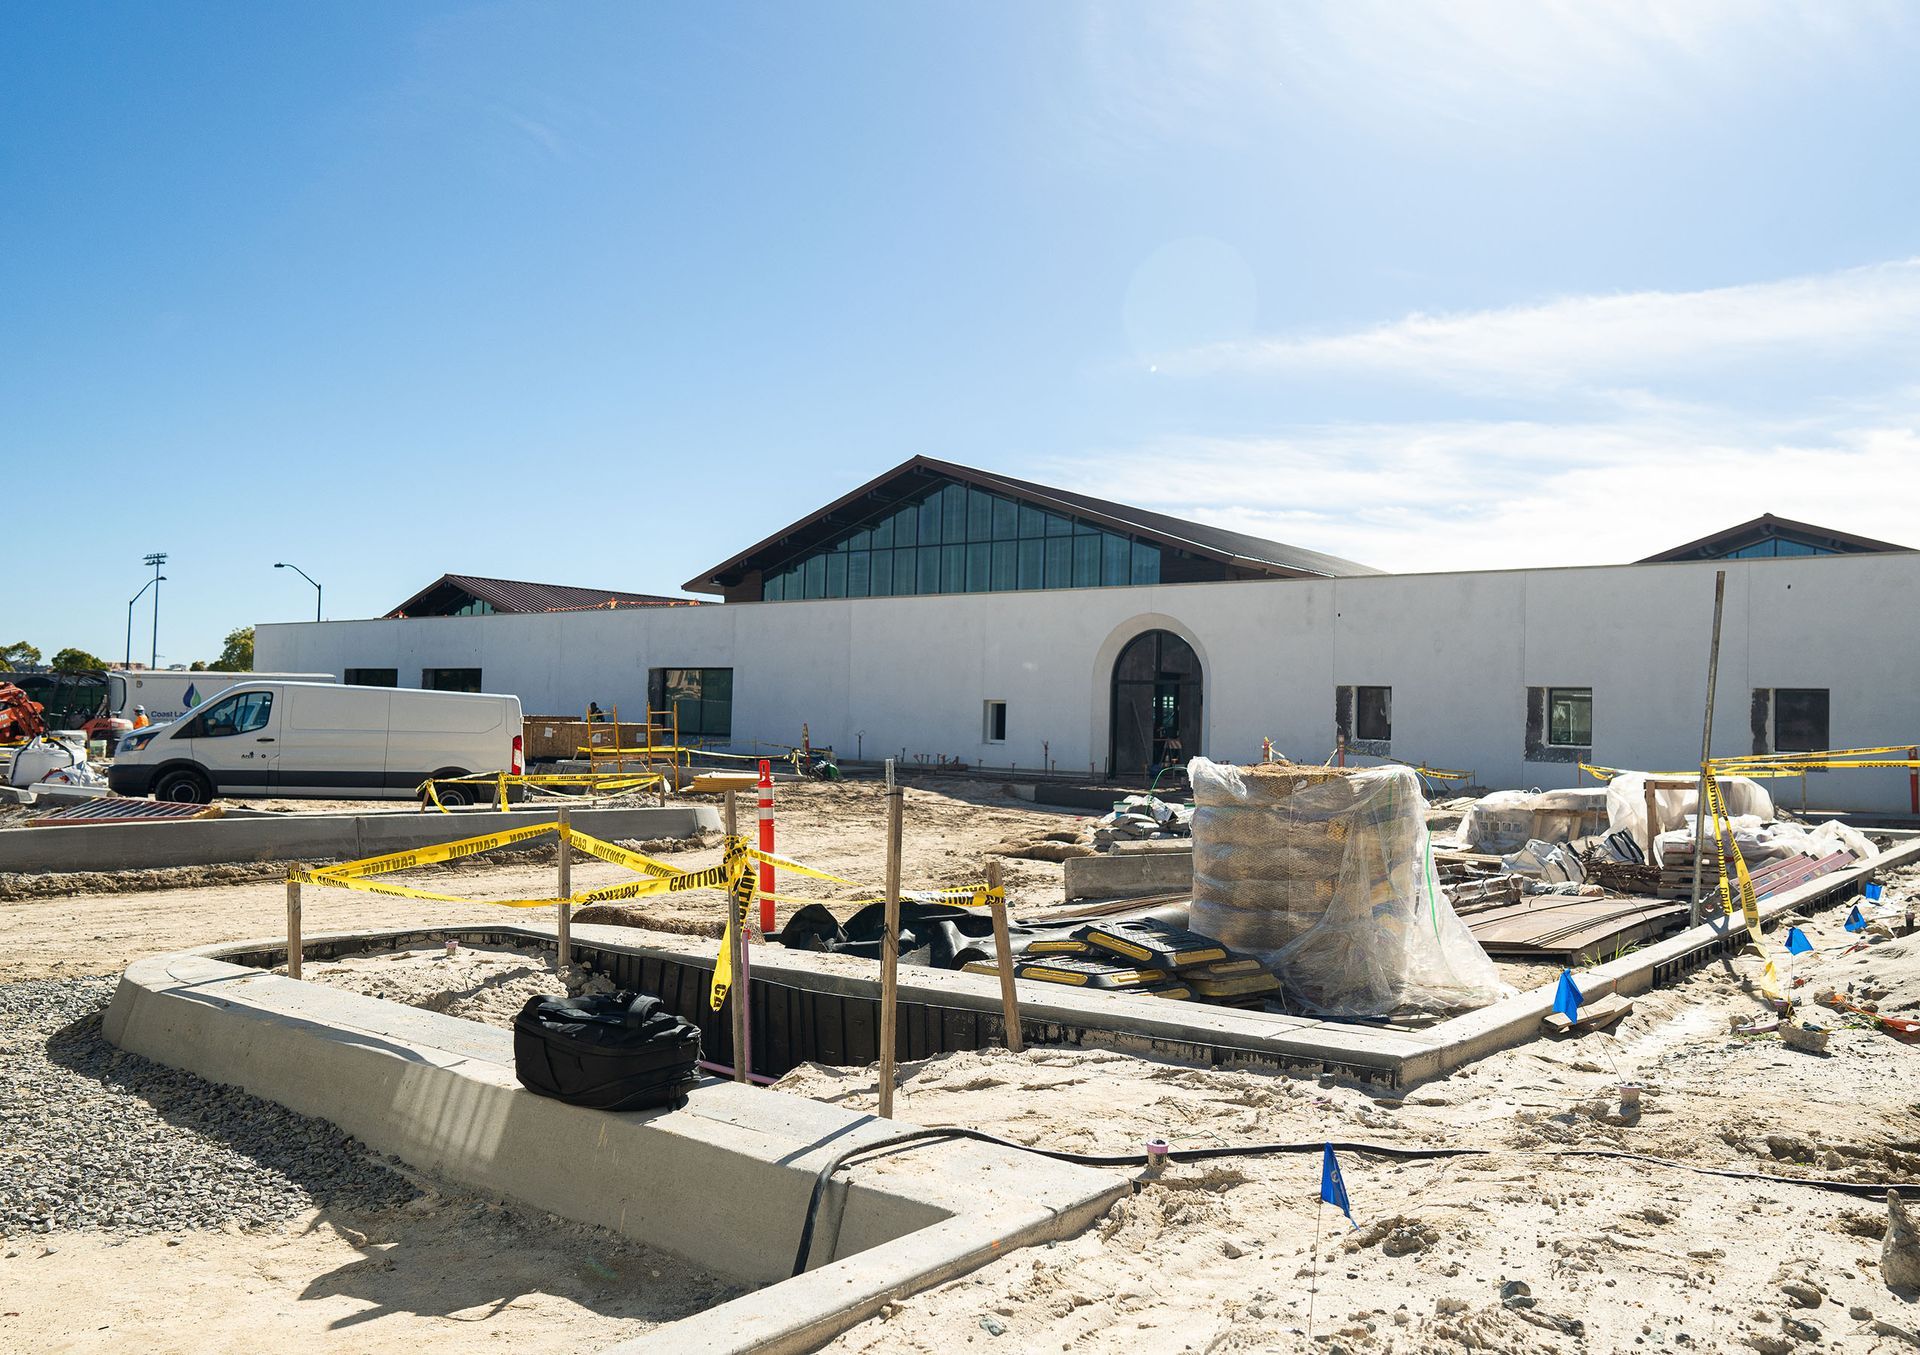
x=308 y=837
x=1128 y=874
x=722 y=1181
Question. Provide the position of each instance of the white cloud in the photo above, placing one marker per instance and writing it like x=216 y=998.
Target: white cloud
x=1215 y=69
x=1594 y=342
x=1490 y=495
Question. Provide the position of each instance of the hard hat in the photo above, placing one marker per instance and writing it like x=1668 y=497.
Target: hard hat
x=141 y=709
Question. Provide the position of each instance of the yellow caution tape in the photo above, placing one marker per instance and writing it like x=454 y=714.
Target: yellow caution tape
x=427 y=856
x=366 y=886
x=740 y=899
x=1724 y=843
x=599 y=784
x=620 y=856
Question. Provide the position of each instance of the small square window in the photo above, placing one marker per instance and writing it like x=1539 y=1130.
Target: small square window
x=1800 y=720
x=1570 y=717
x=995 y=723
x=1373 y=713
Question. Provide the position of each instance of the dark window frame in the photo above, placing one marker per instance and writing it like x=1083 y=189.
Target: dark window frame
x=1814 y=711
x=1553 y=700
x=438 y=680
x=1373 y=714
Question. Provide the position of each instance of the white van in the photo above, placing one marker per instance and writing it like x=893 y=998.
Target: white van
x=319 y=740
x=169 y=693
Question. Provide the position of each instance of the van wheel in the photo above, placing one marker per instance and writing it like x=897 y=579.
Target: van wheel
x=453 y=796
x=183 y=788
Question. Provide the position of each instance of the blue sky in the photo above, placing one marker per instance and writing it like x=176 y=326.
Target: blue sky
x=599 y=294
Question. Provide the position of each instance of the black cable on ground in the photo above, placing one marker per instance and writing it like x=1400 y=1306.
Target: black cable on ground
x=1858 y=1189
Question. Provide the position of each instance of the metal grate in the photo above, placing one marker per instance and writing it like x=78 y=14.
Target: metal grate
x=122 y=809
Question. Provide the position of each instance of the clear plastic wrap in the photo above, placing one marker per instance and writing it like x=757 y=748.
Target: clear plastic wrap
x=1506 y=820
x=1627 y=804
x=1326 y=874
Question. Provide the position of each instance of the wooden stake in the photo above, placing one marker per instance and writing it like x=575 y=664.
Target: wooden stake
x=1706 y=750
x=1003 y=947
x=890 y=950
x=564 y=957
x=739 y=1000
x=293 y=926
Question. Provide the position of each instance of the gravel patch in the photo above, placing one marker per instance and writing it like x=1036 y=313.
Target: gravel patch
x=95 y=1138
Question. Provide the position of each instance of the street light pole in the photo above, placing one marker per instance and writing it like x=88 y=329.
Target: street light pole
x=130 y=601
x=310 y=579
x=156 y=559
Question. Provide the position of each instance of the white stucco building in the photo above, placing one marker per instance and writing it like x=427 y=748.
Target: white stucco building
x=1092 y=657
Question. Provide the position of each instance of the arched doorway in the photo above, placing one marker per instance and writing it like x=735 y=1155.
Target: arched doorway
x=1156 y=704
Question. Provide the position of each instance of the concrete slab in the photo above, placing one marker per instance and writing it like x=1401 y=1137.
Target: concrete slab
x=309 y=837
x=1128 y=875
x=723 y=1181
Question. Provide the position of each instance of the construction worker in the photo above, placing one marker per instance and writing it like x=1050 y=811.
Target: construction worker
x=140 y=720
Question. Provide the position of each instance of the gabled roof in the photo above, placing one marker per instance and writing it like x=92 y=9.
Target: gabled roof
x=514 y=595
x=1251 y=553
x=1716 y=545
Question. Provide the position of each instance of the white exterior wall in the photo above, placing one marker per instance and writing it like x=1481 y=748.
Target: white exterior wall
x=1459 y=651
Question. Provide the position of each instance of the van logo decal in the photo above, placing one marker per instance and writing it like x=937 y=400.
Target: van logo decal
x=193 y=696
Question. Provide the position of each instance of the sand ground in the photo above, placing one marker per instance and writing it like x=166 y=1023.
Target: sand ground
x=1590 y=1253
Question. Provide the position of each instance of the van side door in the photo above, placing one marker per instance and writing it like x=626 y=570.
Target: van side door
x=237 y=741
x=336 y=744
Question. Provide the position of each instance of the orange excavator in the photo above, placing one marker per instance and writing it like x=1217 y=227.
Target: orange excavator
x=20 y=715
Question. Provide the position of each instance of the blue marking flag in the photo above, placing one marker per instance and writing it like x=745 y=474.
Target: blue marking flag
x=1566 y=999
x=1797 y=943
x=1856 y=920
x=1872 y=892
x=1333 y=1186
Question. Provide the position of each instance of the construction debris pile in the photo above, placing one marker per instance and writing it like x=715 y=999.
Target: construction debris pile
x=1141 y=957
x=1324 y=874
x=1635 y=835
x=1141 y=818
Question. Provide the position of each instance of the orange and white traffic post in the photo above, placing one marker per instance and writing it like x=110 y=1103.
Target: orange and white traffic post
x=766 y=845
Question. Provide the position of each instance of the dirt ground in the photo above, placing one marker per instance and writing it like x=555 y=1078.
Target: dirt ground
x=838 y=827
x=450 y=1274
x=1525 y=1248
x=1520 y=1249
x=1612 y=1254
x=439 y=1275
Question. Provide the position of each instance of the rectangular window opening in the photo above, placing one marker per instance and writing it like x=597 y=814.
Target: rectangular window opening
x=1570 y=717
x=701 y=697
x=995 y=723
x=1373 y=713
x=450 y=679
x=373 y=677
x=1800 y=720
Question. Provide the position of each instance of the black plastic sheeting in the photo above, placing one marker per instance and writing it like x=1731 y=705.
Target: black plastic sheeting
x=938 y=935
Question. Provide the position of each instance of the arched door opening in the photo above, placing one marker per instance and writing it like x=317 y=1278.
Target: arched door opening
x=1156 y=705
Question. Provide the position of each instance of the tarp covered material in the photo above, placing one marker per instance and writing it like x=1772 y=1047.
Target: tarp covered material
x=1506 y=820
x=1760 y=841
x=1627 y=803
x=1327 y=875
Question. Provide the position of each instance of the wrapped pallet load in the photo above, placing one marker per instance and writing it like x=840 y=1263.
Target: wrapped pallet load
x=1325 y=873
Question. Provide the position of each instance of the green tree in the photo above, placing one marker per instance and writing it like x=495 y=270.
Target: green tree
x=237 y=656
x=197 y=666
x=18 y=655
x=71 y=660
